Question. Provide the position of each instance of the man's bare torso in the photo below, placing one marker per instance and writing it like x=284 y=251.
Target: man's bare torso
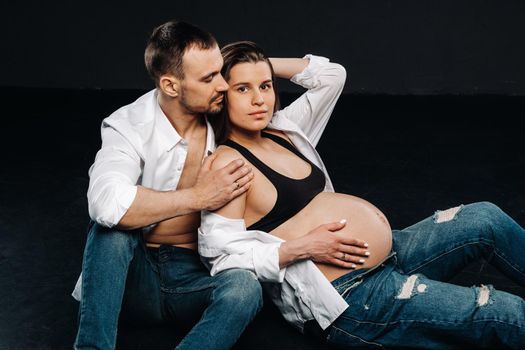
x=182 y=230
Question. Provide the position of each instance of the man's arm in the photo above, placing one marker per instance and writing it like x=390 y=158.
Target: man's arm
x=115 y=199
x=212 y=190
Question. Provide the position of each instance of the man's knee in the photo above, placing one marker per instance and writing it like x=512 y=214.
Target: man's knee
x=241 y=289
x=112 y=240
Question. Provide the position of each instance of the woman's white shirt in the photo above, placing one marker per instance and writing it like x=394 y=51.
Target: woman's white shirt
x=300 y=290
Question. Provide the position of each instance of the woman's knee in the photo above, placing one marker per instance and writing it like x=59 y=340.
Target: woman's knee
x=487 y=209
x=488 y=214
x=490 y=220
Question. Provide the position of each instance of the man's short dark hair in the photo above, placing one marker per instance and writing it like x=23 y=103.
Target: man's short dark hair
x=167 y=45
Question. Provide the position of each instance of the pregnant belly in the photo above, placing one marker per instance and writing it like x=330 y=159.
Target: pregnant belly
x=364 y=221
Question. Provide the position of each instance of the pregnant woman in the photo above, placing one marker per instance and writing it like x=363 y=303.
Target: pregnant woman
x=391 y=290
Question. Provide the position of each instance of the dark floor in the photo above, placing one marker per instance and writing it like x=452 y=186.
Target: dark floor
x=459 y=150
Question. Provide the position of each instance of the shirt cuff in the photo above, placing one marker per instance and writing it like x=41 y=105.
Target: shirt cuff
x=111 y=206
x=125 y=197
x=266 y=263
x=77 y=292
x=309 y=77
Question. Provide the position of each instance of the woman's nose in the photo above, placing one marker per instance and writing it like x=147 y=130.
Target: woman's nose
x=258 y=98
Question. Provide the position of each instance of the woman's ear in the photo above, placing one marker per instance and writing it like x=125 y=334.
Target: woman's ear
x=169 y=85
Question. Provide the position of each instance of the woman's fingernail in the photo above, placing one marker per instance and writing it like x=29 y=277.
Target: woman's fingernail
x=366 y=244
x=353 y=266
x=343 y=221
x=367 y=253
x=361 y=260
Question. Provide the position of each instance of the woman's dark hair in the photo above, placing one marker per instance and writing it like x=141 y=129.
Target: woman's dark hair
x=233 y=54
x=167 y=45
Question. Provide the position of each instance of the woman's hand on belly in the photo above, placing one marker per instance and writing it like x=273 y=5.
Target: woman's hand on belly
x=325 y=245
x=339 y=245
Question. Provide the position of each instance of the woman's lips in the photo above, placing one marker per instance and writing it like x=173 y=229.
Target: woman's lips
x=259 y=114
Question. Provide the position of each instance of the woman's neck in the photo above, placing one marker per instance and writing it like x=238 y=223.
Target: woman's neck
x=247 y=138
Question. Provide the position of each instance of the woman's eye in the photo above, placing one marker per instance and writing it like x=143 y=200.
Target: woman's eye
x=266 y=86
x=242 y=89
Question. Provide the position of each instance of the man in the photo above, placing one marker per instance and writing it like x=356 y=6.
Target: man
x=147 y=186
x=147 y=171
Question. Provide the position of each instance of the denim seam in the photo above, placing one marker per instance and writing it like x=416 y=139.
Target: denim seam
x=426 y=321
x=349 y=288
x=375 y=285
x=349 y=282
x=504 y=258
x=444 y=254
x=335 y=328
x=148 y=255
x=182 y=290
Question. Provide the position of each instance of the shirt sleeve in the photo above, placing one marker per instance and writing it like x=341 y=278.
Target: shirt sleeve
x=311 y=111
x=225 y=244
x=113 y=178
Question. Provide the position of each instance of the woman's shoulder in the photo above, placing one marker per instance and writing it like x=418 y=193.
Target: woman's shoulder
x=224 y=155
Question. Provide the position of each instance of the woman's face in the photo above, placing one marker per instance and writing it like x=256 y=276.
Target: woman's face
x=251 y=97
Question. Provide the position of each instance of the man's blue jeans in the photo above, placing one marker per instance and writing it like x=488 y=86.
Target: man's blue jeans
x=405 y=303
x=121 y=276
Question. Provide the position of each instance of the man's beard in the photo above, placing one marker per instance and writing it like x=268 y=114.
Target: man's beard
x=215 y=109
x=211 y=109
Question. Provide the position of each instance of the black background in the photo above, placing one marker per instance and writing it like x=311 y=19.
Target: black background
x=430 y=119
x=390 y=47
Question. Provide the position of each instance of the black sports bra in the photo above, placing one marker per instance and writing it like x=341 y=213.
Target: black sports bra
x=292 y=194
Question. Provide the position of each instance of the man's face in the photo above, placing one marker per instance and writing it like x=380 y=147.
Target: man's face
x=203 y=87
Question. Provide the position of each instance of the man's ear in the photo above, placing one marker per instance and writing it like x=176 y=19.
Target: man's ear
x=169 y=85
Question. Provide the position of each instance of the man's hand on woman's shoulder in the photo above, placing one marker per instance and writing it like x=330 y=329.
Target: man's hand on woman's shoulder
x=221 y=179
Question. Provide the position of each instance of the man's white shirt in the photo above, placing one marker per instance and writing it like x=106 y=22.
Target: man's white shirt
x=141 y=147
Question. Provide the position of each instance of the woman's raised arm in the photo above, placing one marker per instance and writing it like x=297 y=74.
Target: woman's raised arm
x=286 y=68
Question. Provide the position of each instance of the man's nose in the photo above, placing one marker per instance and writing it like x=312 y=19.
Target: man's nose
x=222 y=84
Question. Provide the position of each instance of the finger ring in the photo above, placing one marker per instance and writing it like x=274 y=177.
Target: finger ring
x=344 y=256
x=236 y=185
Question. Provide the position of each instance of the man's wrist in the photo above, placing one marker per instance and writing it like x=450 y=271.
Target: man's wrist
x=189 y=199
